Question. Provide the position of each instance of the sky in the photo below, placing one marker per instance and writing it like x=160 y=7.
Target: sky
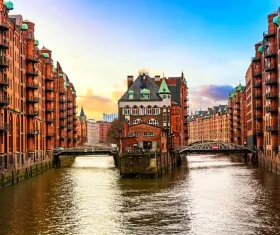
x=99 y=42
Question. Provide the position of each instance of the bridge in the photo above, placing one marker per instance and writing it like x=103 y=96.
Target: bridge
x=209 y=146
x=86 y=150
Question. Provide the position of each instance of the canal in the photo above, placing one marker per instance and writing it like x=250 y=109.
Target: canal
x=208 y=195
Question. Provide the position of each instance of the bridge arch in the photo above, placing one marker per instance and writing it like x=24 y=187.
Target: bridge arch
x=214 y=147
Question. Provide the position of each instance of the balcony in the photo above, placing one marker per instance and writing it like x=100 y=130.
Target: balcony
x=270 y=66
x=32 y=85
x=271 y=95
x=271 y=81
x=258 y=117
x=4 y=100
x=32 y=132
x=49 y=110
x=5 y=127
x=62 y=108
x=32 y=112
x=70 y=114
x=237 y=120
x=257 y=84
x=255 y=59
x=69 y=107
x=271 y=109
x=272 y=128
x=75 y=123
x=49 y=88
x=69 y=127
x=4 y=27
x=62 y=117
x=5 y=81
x=237 y=108
x=69 y=99
x=269 y=53
x=69 y=120
x=75 y=131
x=61 y=100
x=50 y=134
x=62 y=124
x=257 y=74
x=33 y=59
x=258 y=106
x=32 y=99
x=69 y=137
x=61 y=91
x=32 y=72
x=50 y=78
x=49 y=99
x=75 y=118
x=257 y=95
x=266 y=35
x=49 y=120
x=5 y=44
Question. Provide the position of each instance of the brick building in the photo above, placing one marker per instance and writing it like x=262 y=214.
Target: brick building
x=237 y=116
x=210 y=124
x=29 y=97
x=149 y=101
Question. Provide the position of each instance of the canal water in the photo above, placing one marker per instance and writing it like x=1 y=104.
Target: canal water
x=207 y=195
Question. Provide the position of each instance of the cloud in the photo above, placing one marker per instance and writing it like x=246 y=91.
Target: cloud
x=205 y=96
x=94 y=105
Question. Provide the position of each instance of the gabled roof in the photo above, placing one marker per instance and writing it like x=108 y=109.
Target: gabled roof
x=138 y=85
x=163 y=89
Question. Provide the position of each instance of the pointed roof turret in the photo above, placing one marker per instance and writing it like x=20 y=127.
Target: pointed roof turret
x=82 y=114
x=239 y=87
x=163 y=88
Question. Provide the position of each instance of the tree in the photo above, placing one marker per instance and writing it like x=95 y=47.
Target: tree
x=113 y=134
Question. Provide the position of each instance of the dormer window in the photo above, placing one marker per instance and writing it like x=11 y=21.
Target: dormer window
x=145 y=94
x=130 y=95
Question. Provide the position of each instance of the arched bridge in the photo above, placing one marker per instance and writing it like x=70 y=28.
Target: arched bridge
x=208 y=146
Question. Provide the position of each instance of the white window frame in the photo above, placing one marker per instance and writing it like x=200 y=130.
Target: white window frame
x=127 y=110
x=149 y=110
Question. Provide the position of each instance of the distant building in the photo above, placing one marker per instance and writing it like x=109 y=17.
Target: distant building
x=93 y=131
x=97 y=131
x=109 y=117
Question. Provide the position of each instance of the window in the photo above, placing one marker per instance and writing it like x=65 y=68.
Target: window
x=145 y=96
x=136 y=121
x=156 y=122
x=141 y=110
x=149 y=110
x=155 y=110
x=126 y=111
x=164 y=117
x=135 y=110
x=151 y=133
x=130 y=134
x=146 y=134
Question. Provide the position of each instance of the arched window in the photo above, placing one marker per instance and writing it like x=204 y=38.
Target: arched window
x=149 y=110
x=151 y=121
x=137 y=121
x=135 y=110
x=141 y=110
x=126 y=110
x=155 y=110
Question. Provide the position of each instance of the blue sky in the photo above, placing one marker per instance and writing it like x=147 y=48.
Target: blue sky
x=99 y=42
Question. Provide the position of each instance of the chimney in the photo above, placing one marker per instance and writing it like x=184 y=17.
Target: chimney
x=157 y=80
x=129 y=81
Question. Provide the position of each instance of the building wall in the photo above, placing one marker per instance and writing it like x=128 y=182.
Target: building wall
x=109 y=117
x=29 y=100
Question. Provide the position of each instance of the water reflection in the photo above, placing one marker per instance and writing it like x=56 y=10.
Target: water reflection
x=209 y=195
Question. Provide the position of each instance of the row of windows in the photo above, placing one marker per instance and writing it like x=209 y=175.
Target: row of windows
x=151 y=122
x=142 y=110
x=136 y=134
